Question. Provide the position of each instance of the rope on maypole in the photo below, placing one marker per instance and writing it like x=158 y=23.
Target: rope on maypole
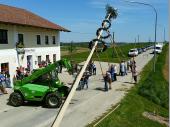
x=111 y=13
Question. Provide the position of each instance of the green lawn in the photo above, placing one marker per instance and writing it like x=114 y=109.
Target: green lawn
x=109 y=55
x=68 y=48
x=129 y=113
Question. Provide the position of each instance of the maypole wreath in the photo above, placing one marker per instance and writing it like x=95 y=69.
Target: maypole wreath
x=111 y=13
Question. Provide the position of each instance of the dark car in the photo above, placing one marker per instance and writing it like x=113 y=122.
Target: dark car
x=140 y=50
x=144 y=49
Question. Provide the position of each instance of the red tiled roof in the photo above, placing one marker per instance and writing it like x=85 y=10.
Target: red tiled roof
x=13 y=15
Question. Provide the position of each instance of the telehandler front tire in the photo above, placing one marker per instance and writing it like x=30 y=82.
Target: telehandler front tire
x=53 y=100
x=16 y=99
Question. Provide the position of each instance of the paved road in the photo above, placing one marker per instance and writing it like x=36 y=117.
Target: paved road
x=85 y=106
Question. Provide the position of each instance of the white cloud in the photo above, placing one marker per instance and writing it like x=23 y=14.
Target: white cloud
x=98 y=3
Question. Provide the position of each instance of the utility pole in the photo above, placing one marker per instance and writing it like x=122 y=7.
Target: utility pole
x=71 y=46
x=113 y=37
x=149 y=39
x=71 y=49
x=138 y=38
x=113 y=43
x=164 y=35
x=135 y=43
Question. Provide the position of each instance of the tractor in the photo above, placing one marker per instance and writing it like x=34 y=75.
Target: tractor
x=43 y=85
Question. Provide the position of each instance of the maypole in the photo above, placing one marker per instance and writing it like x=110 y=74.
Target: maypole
x=111 y=13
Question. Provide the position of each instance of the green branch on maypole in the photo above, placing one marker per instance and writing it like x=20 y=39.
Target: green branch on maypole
x=112 y=11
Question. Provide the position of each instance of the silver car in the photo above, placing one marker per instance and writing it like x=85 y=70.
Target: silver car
x=133 y=52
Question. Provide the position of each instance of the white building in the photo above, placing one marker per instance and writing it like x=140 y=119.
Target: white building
x=36 y=36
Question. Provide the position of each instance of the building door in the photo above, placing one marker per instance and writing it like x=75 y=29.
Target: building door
x=39 y=59
x=30 y=62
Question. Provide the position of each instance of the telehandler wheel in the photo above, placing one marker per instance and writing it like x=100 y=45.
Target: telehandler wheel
x=16 y=99
x=53 y=100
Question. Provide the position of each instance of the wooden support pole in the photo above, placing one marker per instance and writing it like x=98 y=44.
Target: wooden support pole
x=106 y=116
x=60 y=115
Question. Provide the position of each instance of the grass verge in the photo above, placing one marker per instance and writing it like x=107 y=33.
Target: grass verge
x=155 y=86
x=129 y=113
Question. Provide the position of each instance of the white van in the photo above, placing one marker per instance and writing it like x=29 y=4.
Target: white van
x=158 y=48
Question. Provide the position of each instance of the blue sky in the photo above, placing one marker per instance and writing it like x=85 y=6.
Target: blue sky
x=83 y=17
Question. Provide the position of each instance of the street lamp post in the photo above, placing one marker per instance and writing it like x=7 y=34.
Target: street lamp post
x=154 y=26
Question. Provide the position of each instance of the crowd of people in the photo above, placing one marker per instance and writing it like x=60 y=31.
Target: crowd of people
x=21 y=72
x=91 y=70
x=4 y=81
x=109 y=77
x=43 y=63
x=111 y=74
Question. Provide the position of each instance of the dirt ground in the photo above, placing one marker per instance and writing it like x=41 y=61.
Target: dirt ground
x=166 y=68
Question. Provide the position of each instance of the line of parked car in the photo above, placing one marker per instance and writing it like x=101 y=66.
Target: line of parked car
x=136 y=51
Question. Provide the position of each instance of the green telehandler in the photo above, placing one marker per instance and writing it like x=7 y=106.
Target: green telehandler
x=42 y=85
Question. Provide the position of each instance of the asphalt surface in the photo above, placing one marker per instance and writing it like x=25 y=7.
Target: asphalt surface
x=85 y=106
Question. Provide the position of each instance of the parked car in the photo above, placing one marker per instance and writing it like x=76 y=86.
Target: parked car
x=144 y=49
x=133 y=52
x=140 y=50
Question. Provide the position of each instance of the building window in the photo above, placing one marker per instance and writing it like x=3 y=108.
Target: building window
x=21 y=38
x=5 y=67
x=47 y=58
x=46 y=40
x=54 y=57
x=3 y=37
x=39 y=59
x=38 y=39
x=53 y=39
